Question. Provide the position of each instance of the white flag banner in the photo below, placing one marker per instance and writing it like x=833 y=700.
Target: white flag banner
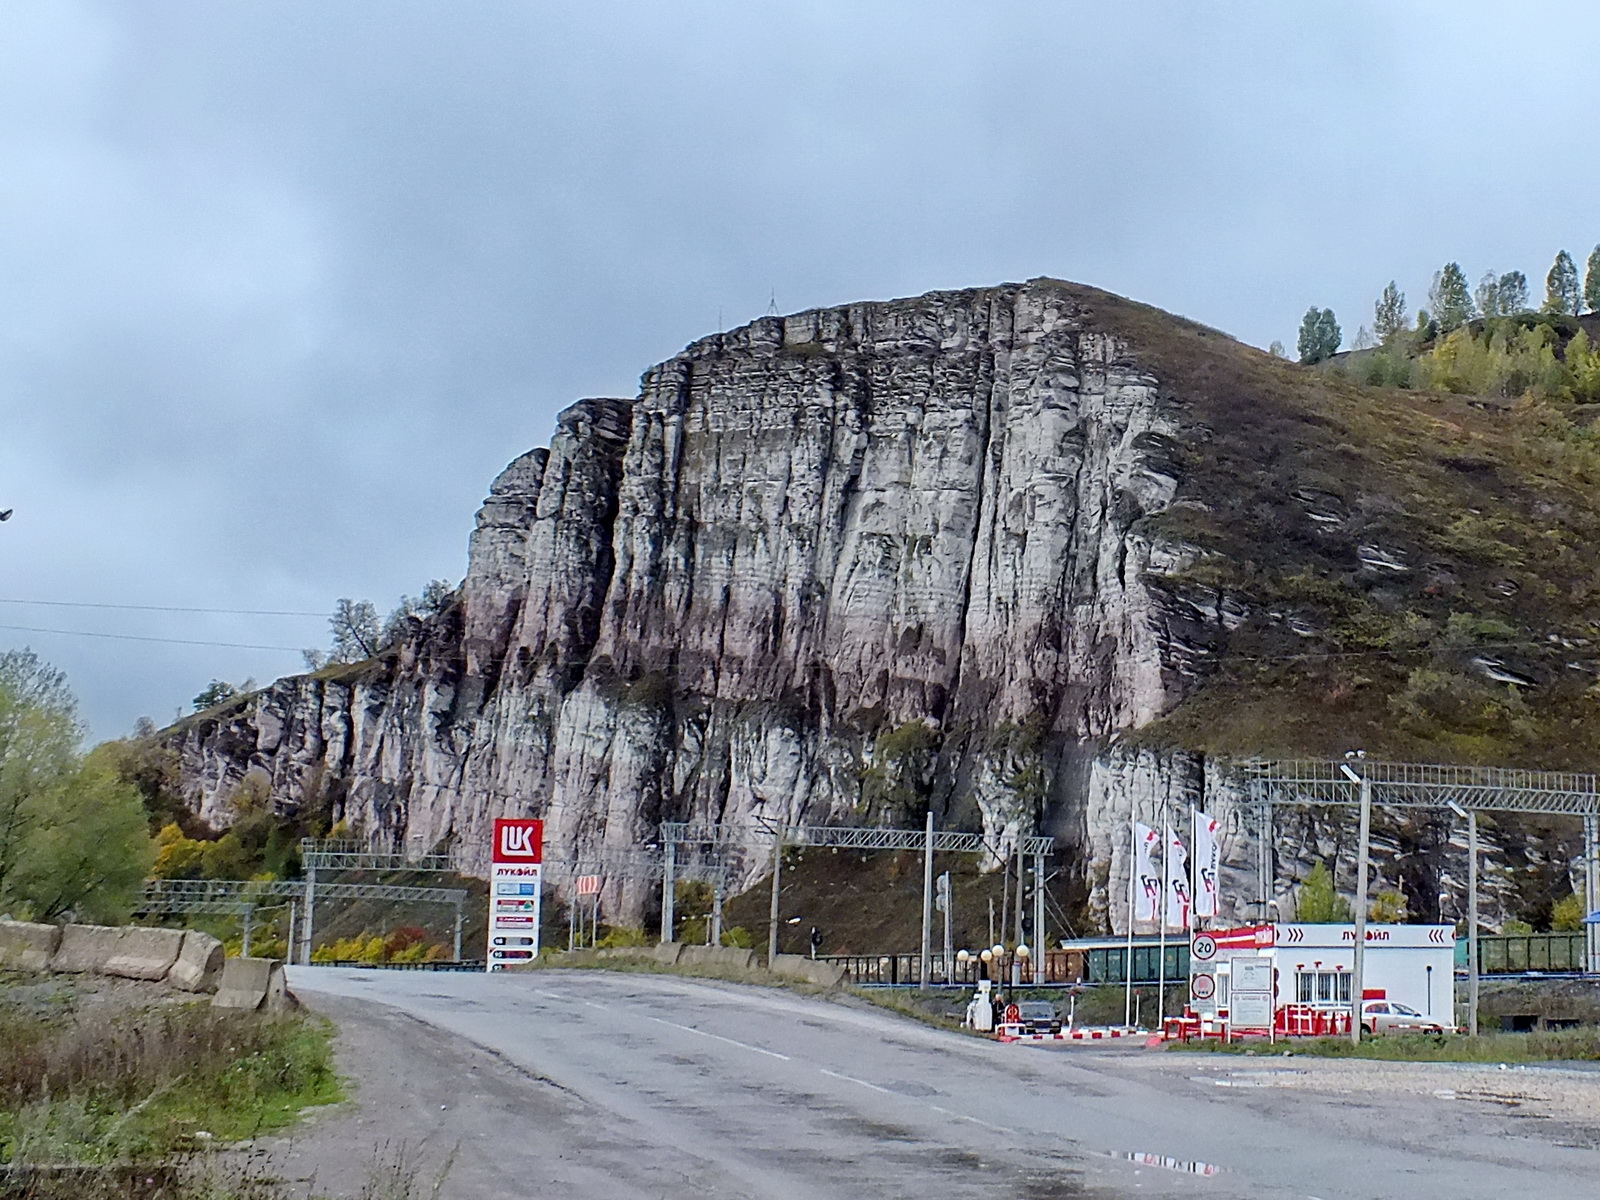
x=1146 y=881
x=1207 y=864
x=1176 y=862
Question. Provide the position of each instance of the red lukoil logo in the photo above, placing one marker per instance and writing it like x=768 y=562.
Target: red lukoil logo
x=518 y=839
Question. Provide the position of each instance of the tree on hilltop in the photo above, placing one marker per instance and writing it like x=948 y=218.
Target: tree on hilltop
x=1319 y=335
x=1561 y=286
x=1591 y=282
x=1389 y=314
x=1449 y=299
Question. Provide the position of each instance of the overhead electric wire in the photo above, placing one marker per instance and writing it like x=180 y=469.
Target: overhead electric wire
x=232 y=612
x=134 y=637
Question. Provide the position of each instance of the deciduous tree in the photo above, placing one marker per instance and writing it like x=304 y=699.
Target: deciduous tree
x=1319 y=335
x=1561 y=286
x=1389 y=314
x=73 y=838
x=1450 y=299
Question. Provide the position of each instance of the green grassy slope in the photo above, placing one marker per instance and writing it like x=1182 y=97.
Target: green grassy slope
x=1487 y=513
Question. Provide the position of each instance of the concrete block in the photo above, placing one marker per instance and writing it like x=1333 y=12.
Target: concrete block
x=144 y=953
x=798 y=966
x=28 y=947
x=717 y=956
x=199 y=964
x=252 y=984
x=667 y=953
x=86 y=949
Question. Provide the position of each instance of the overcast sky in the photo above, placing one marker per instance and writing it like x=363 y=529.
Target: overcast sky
x=283 y=286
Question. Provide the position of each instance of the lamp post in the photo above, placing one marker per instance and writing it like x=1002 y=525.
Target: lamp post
x=1357 y=973
x=1471 y=816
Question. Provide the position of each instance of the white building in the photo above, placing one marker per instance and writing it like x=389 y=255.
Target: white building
x=1312 y=966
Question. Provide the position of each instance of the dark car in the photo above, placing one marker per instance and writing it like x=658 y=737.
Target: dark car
x=1038 y=1016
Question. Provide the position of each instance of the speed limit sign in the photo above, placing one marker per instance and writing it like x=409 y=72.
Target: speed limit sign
x=1203 y=987
x=1204 y=948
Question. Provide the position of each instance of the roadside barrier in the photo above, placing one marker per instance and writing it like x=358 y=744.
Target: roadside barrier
x=252 y=984
x=1090 y=1033
x=798 y=966
x=28 y=947
x=85 y=949
x=185 y=959
x=199 y=964
x=144 y=953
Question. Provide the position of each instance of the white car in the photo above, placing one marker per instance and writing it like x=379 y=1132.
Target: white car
x=1388 y=1016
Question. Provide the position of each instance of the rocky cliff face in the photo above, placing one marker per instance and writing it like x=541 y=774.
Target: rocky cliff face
x=835 y=567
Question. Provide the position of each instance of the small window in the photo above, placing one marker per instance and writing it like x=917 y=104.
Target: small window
x=1305 y=986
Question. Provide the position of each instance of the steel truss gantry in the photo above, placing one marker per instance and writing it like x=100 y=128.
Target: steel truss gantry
x=781 y=835
x=243 y=897
x=1465 y=791
x=321 y=855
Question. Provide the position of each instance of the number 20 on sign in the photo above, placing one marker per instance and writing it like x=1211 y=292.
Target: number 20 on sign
x=515 y=878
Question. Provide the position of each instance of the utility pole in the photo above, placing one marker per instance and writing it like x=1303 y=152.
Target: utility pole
x=668 y=889
x=249 y=925
x=311 y=912
x=456 y=941
x=927 y=903
x=716 y=912
x=777 y=878
x=1471 y=817
x=1591 y=891
x=1358 y=978
x=1040 y=942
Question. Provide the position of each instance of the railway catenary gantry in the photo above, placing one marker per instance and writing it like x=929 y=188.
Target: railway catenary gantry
x=778 y=836
x=1465 y=790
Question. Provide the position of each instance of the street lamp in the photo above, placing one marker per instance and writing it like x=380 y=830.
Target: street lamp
x=1358 y=973
x=1471 y=817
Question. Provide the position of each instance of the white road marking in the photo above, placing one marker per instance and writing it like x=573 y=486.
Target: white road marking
x=853 y=1079
x=720 y=1038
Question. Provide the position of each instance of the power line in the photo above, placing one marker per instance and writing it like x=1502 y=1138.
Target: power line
x=234 y=612
x=134 y=637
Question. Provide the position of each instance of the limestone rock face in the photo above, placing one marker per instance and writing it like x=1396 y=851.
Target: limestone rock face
x=823 y=567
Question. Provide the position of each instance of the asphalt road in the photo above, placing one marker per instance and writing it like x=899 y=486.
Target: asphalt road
x=606 y=1086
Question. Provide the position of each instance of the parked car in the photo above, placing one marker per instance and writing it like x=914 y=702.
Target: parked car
x=1388 y=1016
x=1038 y=1016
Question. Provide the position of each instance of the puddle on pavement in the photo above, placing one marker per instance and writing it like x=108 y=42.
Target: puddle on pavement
x=1185 y=1165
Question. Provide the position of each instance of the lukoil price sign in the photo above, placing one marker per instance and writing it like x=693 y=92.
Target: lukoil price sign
x=515 y=879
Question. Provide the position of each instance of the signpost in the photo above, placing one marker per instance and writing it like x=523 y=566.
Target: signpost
x=515 y=878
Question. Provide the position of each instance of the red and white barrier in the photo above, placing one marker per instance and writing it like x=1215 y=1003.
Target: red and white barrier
x=1015 y=1033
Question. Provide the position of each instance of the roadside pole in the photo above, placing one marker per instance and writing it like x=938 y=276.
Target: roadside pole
x=1472 y=928
x=927 y=904
x=1127 y=965
x=716 y=913
x=1358 y=976
x=1041 y=944
x=293 y=945
x=668 y=889
x=1591 y=891
x=249 y=925
x=311 y=913
x=777 y=882
x=456 y=941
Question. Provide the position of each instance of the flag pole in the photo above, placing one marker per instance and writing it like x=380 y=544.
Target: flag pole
x=1166 y=889
x=1127 y=970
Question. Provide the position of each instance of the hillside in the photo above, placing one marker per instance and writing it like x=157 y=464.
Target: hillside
x=1032 y=556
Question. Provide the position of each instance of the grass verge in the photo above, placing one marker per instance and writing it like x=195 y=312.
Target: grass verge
x=108 y=1084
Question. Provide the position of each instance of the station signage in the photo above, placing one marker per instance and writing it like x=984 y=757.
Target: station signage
x=516 y=875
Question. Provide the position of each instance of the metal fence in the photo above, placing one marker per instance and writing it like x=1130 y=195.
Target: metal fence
x=1513 y=953
x=1105 y=963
